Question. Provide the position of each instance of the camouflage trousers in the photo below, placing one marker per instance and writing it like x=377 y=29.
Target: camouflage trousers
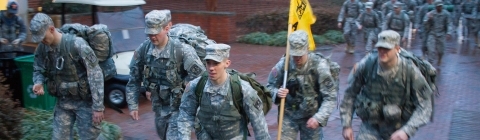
x=68 y=113
x=350 y=32
x=165 y=120
x=423 y=39
x=435 y=47
x=373 y=132
x=291 y=127
x=370 y=38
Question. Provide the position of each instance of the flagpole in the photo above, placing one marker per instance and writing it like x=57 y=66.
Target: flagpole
x=282 y=100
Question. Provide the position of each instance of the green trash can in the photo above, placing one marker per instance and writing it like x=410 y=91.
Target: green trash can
x=30 y=100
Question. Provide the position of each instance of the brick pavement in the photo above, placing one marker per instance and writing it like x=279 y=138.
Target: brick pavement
x=457 y=82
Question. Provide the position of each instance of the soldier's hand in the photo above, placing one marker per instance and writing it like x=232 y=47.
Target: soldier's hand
x=148 y=94
x=16 y=41
x=360 y=27
x=282 y=92
x=134 y=114
x=404 y=40
x=399 y=135
x=339 y=25
x=97 y=117
x=38 y=89
x=312 y=123
x=449 y=37
x=348 y=133
x=3 y=41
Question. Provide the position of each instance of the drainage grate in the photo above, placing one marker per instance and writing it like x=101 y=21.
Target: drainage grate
x=465 y=125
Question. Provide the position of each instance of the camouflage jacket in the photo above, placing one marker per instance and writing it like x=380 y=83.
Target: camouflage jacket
x=392 y=86
x=12 y=28
x=369 y=20
x=422 y=11
x=318 y=86
x=252 y=104
x=350 y=10
x=188 y=66
x=87 y=58
x=440 y=24
x=398 y=22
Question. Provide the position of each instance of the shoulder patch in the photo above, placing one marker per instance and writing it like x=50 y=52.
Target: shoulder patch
x=91 y=57
x=274 y=72
x=195 y=69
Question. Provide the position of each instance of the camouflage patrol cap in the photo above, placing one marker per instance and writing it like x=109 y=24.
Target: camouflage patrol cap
x=39 y=25
x=397 y=4
x=438 y=3
x=156 y=20
x=388 y=39
x=368 y=4
x=298 y=43
x=217 y=52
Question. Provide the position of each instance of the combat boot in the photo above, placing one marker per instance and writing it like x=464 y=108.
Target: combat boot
x=476 y=42
x=439 y=60
x=351 y=50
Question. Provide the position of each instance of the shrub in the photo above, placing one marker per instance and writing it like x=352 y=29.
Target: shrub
x=258 y=38
x=277 y=20
x=10 y=114
x=278 y=39
x=320 y=39
x=37 y=124
x=335 y=36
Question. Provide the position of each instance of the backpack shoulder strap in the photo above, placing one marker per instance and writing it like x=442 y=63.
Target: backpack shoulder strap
x=237 y=97
x=200 y=86
x=237 y=92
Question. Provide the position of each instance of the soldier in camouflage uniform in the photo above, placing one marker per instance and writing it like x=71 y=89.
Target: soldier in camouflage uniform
x=476 y=21
x=164 y=65
x=70 y=69
x=13 y=31
x=422 y=11
x=397 y=21
x=350 y=11
x=370 y=23
x=376 y=92
x=310 y=94
x=219 y=118
x=437 y=23
x=467 y=17
x=388 y=7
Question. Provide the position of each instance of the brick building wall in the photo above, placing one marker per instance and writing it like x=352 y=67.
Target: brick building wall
x=218 y=25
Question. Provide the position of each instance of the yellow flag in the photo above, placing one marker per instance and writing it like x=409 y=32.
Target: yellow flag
x=3 y=4
x=301 y=17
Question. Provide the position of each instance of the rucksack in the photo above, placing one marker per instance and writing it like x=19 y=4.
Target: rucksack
x=428 y=71
x=403 y=14
x=334 y=71
x=99 y=39
x=237 y=95
x=193 y=36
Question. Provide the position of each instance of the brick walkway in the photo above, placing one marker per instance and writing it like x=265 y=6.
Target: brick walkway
x=458 y=82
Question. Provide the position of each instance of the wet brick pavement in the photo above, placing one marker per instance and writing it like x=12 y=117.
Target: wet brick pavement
x=458 y=82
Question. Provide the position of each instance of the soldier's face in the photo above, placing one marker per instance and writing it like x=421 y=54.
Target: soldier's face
x=387 y=56
x=160 y=39
x=217 y=70
x=49 y=36
x=397 y=9
x=300 y=60
x=439 y=8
